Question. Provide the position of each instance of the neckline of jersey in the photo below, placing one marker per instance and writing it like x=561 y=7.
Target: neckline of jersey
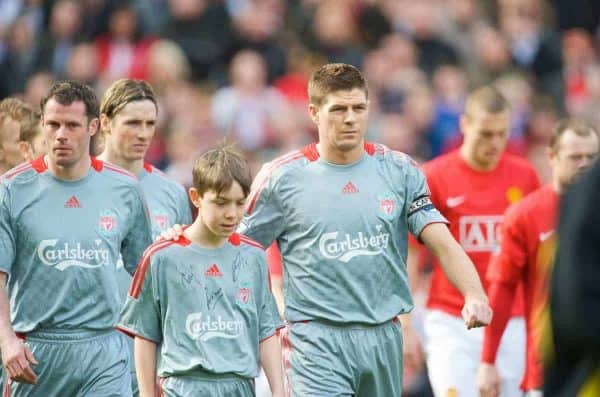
x=312 y=154
x=233 y=240
x=41 y=166
x=477 y=173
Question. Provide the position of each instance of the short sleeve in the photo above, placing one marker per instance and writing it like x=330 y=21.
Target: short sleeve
x=508 y=263
x=269 y=320
x=421 y=211
x=138 y=237
x=140 y=315
x=7 y=236
x=264 y=219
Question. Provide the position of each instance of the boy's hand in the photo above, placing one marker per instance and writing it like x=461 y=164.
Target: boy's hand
x=172 y=233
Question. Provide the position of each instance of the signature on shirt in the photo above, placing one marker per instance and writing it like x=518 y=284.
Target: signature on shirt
x=213 y=294
x=238 y=264
x=188 y=277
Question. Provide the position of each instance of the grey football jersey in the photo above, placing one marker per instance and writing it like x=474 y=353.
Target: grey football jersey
x=342 y=231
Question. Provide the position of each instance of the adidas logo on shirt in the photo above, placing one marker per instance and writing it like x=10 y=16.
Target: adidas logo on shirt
x=72 y=203
x=213 y=271
x=349 y=188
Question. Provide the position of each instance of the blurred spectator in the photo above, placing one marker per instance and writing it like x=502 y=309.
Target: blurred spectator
x=18 y=62
x=167 y=65
x=249 y=110
x=458 y=28
x=589 y=108
x=257 y=25
x=583 y=14
x=63 y=34
x=372 y=23
x=336 y=33
x=540 y=125
x=37 y=86
x=518 y=91
x=534 y=46
x=450 y=86
x=181 y=149
x=398 y=133
x=153 y=14
x=578 y=56
x=492 y=56
x=122 y=52
x=204 y=33
x=293 y=86
x=419 y=108
x=82 y=64
x=423 y=20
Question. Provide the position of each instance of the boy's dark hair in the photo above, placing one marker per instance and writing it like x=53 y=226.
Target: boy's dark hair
x=69 y=91
x=218 y=168
x=334 y=77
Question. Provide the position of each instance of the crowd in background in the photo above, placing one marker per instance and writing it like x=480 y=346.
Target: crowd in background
x=239 y=68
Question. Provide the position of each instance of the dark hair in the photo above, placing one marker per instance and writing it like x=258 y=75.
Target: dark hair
x=124 y=91
x=334 y=77
x=69 y=91
x=218 y=168
x=578 y=126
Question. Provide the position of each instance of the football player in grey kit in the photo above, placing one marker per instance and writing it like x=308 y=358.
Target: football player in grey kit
x=65 y=219
x=340 y=211
x=128 y=114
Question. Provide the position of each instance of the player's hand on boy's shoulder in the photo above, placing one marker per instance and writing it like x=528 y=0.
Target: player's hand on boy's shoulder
x=16 y=358
x=172 y=233
x=476 y=312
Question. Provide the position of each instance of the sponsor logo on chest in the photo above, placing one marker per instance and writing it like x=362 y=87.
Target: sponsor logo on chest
x=344 y=247
x=204 y=328
x=62 y=255
x=479 y=233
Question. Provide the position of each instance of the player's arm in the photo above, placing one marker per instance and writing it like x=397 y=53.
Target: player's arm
x=269 y=322
x=427 y=224
x=145 y=366
x=501 y=298
x=461 y=272
x=140 y=318
x=16 y=355
x=504 y=273
x=270 y=360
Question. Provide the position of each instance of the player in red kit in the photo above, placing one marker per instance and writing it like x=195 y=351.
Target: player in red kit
x=472 y=187
x=526 y=253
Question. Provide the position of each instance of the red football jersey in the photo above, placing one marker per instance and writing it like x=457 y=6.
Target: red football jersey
x=474 y=203
x=526 y=254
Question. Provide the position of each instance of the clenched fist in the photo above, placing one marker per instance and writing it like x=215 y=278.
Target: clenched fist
x=476 y=312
